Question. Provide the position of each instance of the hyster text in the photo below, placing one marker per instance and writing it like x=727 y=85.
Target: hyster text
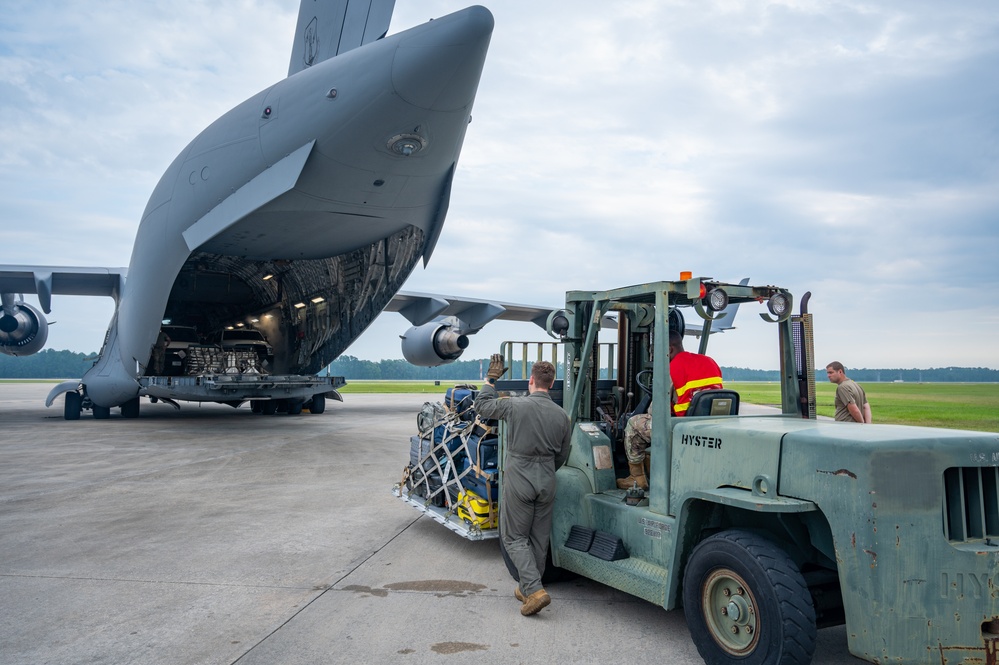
x=701 y=441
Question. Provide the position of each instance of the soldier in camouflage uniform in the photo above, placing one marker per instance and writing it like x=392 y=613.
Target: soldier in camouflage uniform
x=537 y=444
x=689 y=372
x=637 y=437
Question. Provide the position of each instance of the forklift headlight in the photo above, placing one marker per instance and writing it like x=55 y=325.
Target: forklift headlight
x=717 y=300
x=779 y=304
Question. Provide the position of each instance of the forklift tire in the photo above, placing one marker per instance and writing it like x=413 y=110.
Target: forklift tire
x=552 y=572
x=746 y=602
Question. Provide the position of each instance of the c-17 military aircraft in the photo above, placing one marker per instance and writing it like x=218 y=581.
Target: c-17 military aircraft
x=298 y=214
x=295 y=217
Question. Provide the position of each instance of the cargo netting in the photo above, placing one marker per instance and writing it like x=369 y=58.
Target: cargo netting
x=452 y=470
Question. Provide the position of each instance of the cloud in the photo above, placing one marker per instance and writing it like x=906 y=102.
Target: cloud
x=846 y=148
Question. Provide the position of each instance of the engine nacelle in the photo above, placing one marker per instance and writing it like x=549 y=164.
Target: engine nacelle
x=23 y=330
x=433 y=344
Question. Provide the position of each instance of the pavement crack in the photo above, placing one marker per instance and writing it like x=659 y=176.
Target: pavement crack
x=358 y=563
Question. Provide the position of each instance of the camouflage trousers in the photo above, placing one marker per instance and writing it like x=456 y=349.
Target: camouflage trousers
x=637 y=437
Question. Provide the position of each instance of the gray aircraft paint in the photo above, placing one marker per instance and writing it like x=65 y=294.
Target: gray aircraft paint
x=335 y=180
x=299 y=163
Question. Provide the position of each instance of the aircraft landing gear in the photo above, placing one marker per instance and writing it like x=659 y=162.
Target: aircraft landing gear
x=130 y=409
x=73 y=406
x=317 y=404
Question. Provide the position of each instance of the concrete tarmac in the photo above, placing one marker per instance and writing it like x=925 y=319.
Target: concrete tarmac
x=214 y=535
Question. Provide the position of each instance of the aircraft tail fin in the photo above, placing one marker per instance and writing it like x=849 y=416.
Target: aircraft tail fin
x=327 y=28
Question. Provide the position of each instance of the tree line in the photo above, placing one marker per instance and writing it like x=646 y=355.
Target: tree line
x=46 y=364
x=473 y=370
x=50 y=364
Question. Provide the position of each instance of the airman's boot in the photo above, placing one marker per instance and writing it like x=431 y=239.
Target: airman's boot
x=637 y=476
x=536 y=602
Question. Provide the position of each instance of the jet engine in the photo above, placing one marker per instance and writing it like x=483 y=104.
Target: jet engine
x=433 y=344
x=23 y=329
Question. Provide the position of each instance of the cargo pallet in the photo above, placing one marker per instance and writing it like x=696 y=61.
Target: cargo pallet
x=452 y=474
x=446 y=516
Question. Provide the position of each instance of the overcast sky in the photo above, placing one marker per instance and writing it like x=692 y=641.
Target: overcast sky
x=850 y=149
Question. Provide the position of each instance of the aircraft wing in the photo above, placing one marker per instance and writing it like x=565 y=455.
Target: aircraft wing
x=442 y=323
x=44 y=281
x=421 y=308
x=326 y=29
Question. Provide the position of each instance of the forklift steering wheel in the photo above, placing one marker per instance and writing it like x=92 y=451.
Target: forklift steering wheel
x=644 y=381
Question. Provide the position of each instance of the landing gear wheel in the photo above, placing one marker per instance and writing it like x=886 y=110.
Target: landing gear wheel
x=101 y=412
x=746 y=602
x=255 y=406
x=73 y=406
x=318 y=404
x=130 y=409
x=269 y=408
x=294 y=407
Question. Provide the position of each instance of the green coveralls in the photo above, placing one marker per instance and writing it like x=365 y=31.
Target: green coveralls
x=537 y=443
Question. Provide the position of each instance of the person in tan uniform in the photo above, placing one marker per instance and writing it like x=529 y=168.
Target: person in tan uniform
x=851 y=400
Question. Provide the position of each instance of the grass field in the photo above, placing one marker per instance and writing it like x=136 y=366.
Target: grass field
x=973 y=406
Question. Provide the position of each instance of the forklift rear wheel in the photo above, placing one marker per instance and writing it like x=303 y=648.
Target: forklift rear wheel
x=746 y=602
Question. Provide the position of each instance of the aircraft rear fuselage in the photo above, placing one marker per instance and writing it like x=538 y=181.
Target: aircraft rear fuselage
x=321 y=191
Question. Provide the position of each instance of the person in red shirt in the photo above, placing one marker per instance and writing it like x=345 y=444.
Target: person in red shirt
x=689 y=373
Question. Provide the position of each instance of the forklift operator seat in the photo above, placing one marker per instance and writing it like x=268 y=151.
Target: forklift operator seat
x=719 y=402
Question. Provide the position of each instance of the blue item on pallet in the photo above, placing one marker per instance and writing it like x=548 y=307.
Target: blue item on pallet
x=421 y=449
x=483 y=464
x=486 y=485
x=460 y=400
x=439 y=432
x=483 y=453
x=453 y=440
